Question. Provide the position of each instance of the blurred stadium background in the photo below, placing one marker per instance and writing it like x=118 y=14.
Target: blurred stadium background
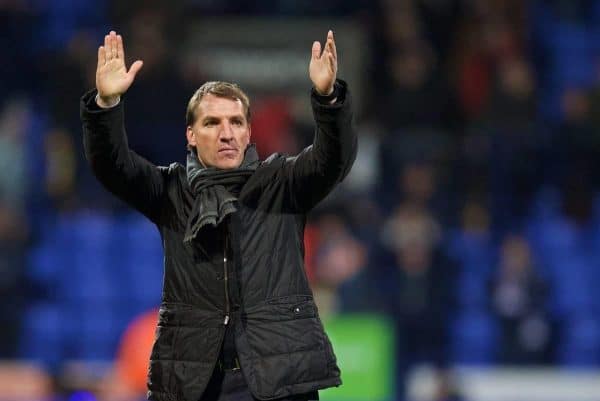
x=460 y=260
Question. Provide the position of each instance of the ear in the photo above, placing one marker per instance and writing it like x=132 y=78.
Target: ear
x=191 y=138
x=249 y=132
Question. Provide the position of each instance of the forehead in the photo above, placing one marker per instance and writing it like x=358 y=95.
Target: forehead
x=216 y=106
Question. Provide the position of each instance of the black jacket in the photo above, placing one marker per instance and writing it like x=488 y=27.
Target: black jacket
x=279 y=337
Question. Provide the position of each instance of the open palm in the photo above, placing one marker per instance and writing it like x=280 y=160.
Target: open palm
x=323 y=66
x=112 y=77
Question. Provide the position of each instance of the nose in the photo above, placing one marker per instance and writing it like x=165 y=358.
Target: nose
x=226 y=132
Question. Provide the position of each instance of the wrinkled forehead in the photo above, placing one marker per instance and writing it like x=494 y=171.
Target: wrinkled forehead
x=220 y=107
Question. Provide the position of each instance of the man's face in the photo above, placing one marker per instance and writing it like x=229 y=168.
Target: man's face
x=220 y=132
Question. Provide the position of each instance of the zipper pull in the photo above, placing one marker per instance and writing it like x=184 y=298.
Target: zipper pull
x=226 y=320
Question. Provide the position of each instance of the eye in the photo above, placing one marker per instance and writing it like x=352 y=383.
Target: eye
x=237 y=122
x=209 y=123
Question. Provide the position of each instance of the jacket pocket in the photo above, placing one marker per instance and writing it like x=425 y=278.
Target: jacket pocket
x=291 y=307
x=284 y=325
x=303 y=310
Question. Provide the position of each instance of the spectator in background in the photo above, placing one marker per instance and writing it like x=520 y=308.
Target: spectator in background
x=16 y=68
x=418 y=96
x=417 y=92
x=68 y=68
x=151 y=41
x=418 y=182
x=514 y=146
x=62 y=166
x=486 y=39
x=272 y=125
x=14 y=119
x=417 y=108
x=519 y=296
x=420 y=185
x=343 y=281
x=578 y=141
x=14 y=231
x=68 y=184
x=417 y=289
x=577 y=196
x=593 y=140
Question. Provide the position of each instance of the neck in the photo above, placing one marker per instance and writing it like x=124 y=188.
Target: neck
x=200 y=160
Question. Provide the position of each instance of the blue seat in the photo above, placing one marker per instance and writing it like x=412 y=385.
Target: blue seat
x=551 y=240
x=474 y=338
x=90 y=255
x=472 y=290
x=46 y=332
x=100 y=271
x=473 y=251
x=545 y=205
x=570 y=51
x=142 y=262
x=580 y=345
x=49 y=261
x=44 y=265
x=99 y=328
x=571 y=287
x=573 y=54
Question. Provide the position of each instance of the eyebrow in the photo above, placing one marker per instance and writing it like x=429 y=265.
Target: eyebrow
x=217 y=118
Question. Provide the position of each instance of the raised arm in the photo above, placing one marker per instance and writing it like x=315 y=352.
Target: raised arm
x=314 y=172
x=123 y=172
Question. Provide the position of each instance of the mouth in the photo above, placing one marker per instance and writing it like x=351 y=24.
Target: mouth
x=228 y=152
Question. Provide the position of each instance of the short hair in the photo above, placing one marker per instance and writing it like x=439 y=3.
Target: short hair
x=220 y=89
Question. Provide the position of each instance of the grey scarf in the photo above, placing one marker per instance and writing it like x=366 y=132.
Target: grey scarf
x=215 y=190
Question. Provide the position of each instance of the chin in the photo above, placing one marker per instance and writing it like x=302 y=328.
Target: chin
x=229 y=164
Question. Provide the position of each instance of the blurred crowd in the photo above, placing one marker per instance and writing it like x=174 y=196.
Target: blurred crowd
x=471 y=218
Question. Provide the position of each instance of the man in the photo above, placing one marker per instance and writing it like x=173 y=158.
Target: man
x=237 y=319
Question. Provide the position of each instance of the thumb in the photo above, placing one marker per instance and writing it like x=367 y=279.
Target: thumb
x=316 y=50
x=135 y=68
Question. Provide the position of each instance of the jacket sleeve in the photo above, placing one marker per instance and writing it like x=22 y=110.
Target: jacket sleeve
x=127 y=175
x=315 y=171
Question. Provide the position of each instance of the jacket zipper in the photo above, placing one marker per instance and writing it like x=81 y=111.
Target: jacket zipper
x=226 y=281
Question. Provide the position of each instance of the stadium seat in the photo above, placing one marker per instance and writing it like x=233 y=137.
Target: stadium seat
x=46 y=330
x=580 y=345
x=473 y=338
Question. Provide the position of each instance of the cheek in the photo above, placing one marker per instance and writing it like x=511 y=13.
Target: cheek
x=245 y=137
x=204 y=137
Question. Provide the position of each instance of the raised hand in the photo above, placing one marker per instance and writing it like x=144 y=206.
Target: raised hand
x=323 y=66
x=112 y=77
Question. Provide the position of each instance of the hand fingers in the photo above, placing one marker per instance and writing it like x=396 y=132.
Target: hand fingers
x=135 y=68
x=107 y=51
x=113 y=44
x=331 y=40
x=327 y=49
x=316 y=50
x=101 y=56
x=331 y=61
x=120 y=49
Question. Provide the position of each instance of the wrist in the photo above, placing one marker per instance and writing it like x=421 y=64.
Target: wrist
x=106 y=102
x=325 y=93
x=330 y=97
